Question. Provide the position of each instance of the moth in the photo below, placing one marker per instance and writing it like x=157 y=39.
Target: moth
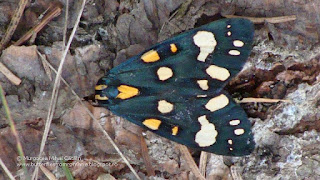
x=175 y=88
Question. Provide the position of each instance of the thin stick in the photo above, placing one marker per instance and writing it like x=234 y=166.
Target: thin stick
x=187 y=156
x=261 y=20
x=203 y=163
x=13 y=24
x=262 y=100
x=46 y=67
x=6 y=72
x=6 y=170
x=235 y=173
x=66 y=23
x=52 y=14
x=47 y=173
x=145 y=156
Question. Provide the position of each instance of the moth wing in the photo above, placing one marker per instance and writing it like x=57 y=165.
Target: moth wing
x=213 y=124
x=209 y=55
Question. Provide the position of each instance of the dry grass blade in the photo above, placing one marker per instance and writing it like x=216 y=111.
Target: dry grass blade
x=235 y=173
x=261 y=20
x=14 y=131
x=47 y=173
x=45 y=66
x=6 y=72
x=193 y=166
x=56 y=11
x=262 y=100
x=95 y=120
x=203 y=163
x=65 y=28
x=6 y=170
x=146 y=157
x=13 y=24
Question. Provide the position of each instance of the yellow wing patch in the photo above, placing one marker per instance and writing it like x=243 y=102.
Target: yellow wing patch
x=100 y=87
x=152 y=123
x=98 y=97
x=150 y=56
x=127 y=92
x=173 y=48
x=175 y=130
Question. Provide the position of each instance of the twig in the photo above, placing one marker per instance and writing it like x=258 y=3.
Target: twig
x=262 y=100
x=13 y=24
x=145 y=156
x=52 y=14
x=47 y=173
x=261 y=20
x=6 y=170
x=235 y=173
x=65 y=29
x=45 y=66
x=13 y=78
x=203 y=163
x=187 y=156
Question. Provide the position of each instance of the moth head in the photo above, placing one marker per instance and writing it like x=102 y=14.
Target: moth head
x=105 y=91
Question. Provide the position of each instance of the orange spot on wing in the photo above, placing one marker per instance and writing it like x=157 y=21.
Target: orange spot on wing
x=127 y=92
x=173 y=48
x=150 y=56
x=152 y=123
x=175 y=130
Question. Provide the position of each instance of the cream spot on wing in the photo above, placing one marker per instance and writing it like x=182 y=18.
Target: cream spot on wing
x=234 y=52
x=164 y=73
x=229 y=33
x=230 y=142
x=206 y=42
x=217 y=103
x=238 y=43
x=235 y=122
x=164 y=106
x=202 y=95
x=207 y=134
x=238 y=131
x=228 y=26
x=231 y=149
x=217 y=72
x=203 y=84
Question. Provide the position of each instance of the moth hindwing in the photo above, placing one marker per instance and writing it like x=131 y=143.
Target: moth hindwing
x=175 y=88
